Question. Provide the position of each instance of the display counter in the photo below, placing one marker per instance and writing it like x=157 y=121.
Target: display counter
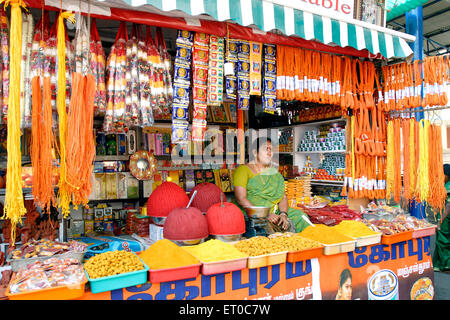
x=397 y=271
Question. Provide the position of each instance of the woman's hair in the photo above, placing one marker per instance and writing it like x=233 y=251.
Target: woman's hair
x=345 y=274
x=447 y=170
x=259 y=142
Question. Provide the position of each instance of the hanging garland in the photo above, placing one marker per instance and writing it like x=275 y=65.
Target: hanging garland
x=14 y=207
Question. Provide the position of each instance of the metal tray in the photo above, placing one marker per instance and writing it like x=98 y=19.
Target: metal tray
x=17 y=264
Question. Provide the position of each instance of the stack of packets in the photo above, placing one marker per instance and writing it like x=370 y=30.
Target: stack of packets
x=269 y=79
x=298 y=191
x=243 y=75
x=215 y=71
x=231 y=58
x=200 y=60
x=181 y=86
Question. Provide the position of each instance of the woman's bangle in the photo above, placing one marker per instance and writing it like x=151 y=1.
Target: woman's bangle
x=283 y=212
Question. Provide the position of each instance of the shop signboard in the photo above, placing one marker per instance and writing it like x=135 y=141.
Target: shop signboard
x=401 y=271
x=330 y=8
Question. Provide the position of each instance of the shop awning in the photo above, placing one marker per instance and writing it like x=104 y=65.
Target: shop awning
x=396 y=8
x=258 y=19
x=268 y=16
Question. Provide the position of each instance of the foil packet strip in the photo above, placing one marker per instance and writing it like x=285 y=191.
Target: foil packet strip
x=180 y=111
x=198 y=129
x=182 y=73
x=200 y=55
x=183 y=53
x=243 y=84
x=243 y=102
x=201 y=38
x=200 y=111
x=200 y=74
x=269 y=103
x=243 y=66
x=230 y=87
x=232 y=48
x=185 y=37
x=269 y=85
x=181 y=92
x=270 y=68
x=215 y=55
x=270 y=51
x=180 y=129
x=200 y=94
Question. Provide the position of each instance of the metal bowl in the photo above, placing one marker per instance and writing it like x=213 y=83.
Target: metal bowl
x=257 y=212
x=188 y=242
x=228 y=237
x=159 y=220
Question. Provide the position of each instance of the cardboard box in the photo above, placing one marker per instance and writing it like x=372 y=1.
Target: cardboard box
x=111 y=185
x=132 y=187
x=100 y=186
x=122 y=185
x=88 y=226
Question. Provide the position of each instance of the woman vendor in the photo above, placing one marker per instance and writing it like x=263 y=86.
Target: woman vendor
x=441 y=256
x=259 y=184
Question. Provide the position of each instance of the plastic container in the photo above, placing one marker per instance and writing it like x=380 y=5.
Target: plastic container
x=17 y=264
x=302 y=255
x=267 y=259
x=335 y=248
x=397 y=237
x=172 y=274
x=419 y=233
x=209 y=268
x=118 y=281
x=68 y=292
x=368 y=240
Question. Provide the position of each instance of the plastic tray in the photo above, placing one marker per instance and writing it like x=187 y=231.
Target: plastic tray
x=368 y=240
x=335 y=248
x=172 y=274
x=118 y=281
x=223 y=266
x=267 y=260
x=397 y=237
x=17 y=264
x=428 y=231
x=68 y=292
x=302 y=255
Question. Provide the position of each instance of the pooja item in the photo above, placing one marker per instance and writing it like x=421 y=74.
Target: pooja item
x=143 y=165
x=181 y=86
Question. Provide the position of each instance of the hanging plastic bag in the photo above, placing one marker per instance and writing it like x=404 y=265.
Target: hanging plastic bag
x=116 y=83
x=25 y=81
x=145 y=112
x=98 y=70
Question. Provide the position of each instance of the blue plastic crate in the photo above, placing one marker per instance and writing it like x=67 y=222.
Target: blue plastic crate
x=118 y=281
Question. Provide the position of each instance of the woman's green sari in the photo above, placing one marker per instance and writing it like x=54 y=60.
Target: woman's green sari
x=266 y=189
x=441 y=256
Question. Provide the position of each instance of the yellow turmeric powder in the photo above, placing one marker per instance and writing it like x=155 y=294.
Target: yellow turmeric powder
x=324 y=234
x=214 y=250
x=354 y=229
x=165 y=254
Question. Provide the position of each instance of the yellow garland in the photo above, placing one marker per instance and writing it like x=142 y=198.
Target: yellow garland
x=390 y=160
x=423 y=183
x=14 y=207
x=64 y=194
x=412 y=156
